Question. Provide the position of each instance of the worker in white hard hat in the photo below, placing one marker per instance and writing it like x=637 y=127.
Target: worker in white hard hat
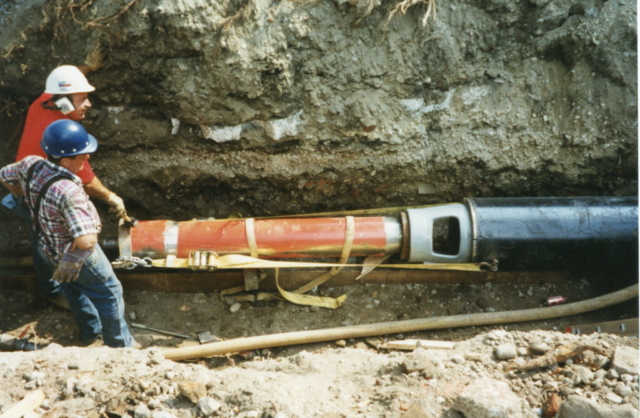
x=66 y=96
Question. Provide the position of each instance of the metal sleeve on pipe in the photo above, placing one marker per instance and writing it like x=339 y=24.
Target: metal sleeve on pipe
x=412 y=325
x=422 y=231
x=171 y=238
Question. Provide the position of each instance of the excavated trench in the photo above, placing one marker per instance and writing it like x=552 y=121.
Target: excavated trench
x=271 y=108
x=260 y=107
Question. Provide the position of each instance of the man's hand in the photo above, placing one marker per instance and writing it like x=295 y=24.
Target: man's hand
x=13 y=188
x=117 y=205
x=69 y=267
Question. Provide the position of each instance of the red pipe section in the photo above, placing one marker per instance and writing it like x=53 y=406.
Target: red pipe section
x=275 y=238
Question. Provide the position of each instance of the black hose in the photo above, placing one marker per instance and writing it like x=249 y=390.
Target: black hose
x=9 y=343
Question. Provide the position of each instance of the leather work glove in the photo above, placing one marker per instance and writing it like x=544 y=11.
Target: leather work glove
x=117 y=205
x=69 y=267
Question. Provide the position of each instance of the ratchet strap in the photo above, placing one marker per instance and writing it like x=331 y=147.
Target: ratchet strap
x=210 y=260
x=344 y=256
x=300 y=299
x=239 y=261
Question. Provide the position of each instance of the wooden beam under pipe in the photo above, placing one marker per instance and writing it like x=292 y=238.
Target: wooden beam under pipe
x=185 y=281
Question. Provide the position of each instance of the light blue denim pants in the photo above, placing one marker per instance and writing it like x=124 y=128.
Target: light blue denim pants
x=96 y=301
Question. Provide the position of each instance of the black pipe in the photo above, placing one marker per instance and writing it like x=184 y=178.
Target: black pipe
x=547 y=233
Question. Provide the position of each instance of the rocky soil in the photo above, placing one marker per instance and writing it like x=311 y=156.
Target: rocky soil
x=467 y=381
x=346 y=378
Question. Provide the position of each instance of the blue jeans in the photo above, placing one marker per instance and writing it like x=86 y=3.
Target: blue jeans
x=96 y=301
x=50 y=289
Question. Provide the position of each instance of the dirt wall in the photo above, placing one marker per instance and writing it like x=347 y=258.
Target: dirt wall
x=266 y=107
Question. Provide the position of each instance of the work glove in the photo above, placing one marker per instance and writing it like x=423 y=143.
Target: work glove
x=69 y=267
x=117 y=205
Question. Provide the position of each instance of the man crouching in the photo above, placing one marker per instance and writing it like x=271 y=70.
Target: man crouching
x=67 y=226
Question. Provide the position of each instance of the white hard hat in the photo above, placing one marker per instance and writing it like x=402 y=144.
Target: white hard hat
x=67 y=79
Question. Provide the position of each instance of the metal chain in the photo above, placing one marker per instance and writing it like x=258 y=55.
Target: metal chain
x=130 y=263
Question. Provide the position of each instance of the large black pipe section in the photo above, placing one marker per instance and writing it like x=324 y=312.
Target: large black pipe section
x=527 y=234
x=549 y=233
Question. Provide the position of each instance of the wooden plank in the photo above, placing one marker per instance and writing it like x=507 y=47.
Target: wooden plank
x=411 y=344
x=628 y=327
x=251 y=279
x=186 y=281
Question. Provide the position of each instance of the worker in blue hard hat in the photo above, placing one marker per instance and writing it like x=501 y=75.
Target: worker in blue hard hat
x=66 y=97
x=67 y=225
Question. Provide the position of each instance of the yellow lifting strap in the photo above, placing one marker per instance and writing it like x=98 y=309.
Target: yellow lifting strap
x=344 y=256
x=378 y=211
x=298 y=296
x=238 y=261
x=251 y=237
x=210 y=260
x=300 y=299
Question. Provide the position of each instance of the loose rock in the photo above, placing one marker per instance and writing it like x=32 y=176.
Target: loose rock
x=581 y=407
x=625 y=360
x=505 y=351
x=192 y=390
x=488 y=398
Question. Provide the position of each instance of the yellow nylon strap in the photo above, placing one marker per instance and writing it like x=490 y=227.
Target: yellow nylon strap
x=251 y=237
x=232 y=290
x=370 y=263
x=346 y=250
x=378 y=211
x=353 y=212
x=300 y=299
x=238 y=261
x=297 y=296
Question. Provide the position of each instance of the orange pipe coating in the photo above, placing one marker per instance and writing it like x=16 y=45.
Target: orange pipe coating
x=275 y=238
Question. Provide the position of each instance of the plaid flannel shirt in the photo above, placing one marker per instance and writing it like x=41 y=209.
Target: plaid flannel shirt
x=66 y=212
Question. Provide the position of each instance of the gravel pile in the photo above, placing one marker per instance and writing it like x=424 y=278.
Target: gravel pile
x=495 y=374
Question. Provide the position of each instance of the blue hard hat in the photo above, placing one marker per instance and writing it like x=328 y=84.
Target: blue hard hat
x=66 y=138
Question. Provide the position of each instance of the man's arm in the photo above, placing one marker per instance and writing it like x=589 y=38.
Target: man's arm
x=10 y=178
x=85 y=242
x=96 y=189
x=14 y=189
x=68 y=269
